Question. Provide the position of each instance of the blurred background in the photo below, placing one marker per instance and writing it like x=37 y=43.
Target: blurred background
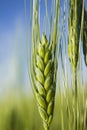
x=13 y=63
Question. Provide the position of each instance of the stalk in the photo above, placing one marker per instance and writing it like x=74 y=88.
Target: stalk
x=62 y=119
x=75 y=99
x=85 y=116
x=76 y=102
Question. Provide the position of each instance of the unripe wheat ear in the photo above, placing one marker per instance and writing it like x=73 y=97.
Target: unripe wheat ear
x=44 y=65
x=75 y=25
x=44 y=80
x=74 y=31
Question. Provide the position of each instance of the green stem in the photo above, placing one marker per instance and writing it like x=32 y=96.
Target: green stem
x=46 y=127
x=85 y=116
x=76 y=102
x=73 y=109
x=75 y=98
x=62 y=120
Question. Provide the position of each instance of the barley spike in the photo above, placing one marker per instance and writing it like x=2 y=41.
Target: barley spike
x=85 y=36
x=44 y=80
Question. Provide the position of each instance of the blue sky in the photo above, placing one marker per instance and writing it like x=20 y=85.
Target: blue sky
x=9 y=9
x=13 y=57
x=11 y=14
x=12 y=44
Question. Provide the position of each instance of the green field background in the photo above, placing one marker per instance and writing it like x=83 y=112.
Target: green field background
x=18 y=111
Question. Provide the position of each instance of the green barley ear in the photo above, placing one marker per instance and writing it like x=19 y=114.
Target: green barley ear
x=43 y=68
x=44 y=83
x=85 y=36
x=74 y=31
x=75 y=19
